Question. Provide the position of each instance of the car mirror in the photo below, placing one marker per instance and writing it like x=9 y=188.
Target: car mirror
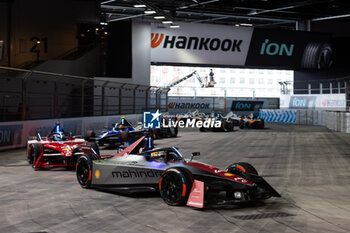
x=194 y=154
x=39 y=137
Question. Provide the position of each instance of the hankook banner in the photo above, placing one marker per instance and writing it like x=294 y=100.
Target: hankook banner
x=176 y=105
x=200 y=44
x=239 y=46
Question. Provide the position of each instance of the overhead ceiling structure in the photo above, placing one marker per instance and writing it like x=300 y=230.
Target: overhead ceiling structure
x=257 y=13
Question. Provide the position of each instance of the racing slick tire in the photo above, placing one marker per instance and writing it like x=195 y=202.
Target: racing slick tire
x=34 y=154
x=241 y=124
x=230 y=126
x=175 y=186
x=84 y=169
x=262 y=124
x=242 y=169
x=125 y=136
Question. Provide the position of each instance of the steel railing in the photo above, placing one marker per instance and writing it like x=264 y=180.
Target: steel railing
x=30 y=94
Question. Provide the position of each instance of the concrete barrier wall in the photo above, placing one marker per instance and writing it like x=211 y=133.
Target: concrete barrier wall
x=14 y=134
x=333 y=120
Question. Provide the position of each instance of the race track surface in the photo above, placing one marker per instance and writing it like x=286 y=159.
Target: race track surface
x=308 y=165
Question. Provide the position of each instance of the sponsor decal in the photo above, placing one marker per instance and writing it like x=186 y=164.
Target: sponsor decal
x=186 y=105
x=10 y=135
x=195 y=43
x=240 y=179
x=333 y=103
x=156 y=39
x=228 y=174
x=151 y=120
x=202 y=43
x=134 y=173
x=97 y=174
x=272 y=49
x=196 y=198
x=302 y=102
x=246 y=105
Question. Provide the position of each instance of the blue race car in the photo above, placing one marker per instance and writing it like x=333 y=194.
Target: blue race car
x=120 y=133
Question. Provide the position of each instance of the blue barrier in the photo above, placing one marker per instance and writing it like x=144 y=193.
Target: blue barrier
x=289 y=116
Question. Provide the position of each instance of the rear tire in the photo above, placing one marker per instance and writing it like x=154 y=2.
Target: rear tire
x=262 y=124
x=230 y=126
x=175 y=186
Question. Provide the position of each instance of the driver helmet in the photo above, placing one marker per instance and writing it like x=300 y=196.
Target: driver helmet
x=156 y=156
x=58 y=128
x=57 y=136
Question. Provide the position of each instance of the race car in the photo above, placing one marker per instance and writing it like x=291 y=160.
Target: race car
x=125 y=133
x=120 y=132
x=234 y=118
x=251 y=122
x=191 y=115
x=227 y=125
x=139 y=168
x=58 y=149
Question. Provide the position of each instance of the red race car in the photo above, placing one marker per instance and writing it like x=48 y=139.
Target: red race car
x=58 y=149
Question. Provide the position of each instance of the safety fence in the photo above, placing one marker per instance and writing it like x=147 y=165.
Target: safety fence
x=14 y=134
x=30 y=95
x=333 y=120
x=322 y=86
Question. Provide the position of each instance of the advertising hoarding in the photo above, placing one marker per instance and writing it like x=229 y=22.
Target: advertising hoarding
x=209 y=44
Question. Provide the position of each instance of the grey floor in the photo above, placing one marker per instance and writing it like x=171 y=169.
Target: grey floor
x=308 y=165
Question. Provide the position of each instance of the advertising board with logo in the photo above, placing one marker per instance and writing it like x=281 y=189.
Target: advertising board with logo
x=200 y=44
x=293 y=49
x=10 y=134
x=246 y=105
x=189 y=105
x=239 y=46
x=325 y=101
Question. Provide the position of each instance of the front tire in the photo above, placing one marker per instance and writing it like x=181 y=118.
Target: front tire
x=84 y=169
x=242 y=169
x=35 y=152
x=175 y=186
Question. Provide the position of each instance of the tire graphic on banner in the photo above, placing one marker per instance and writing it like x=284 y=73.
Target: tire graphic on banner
x=317 y=55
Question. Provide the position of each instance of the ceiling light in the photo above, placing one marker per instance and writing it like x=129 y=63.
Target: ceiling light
x=174 y=26
x=159 y=17
x=140 y=6
x=247 y=24
x=148 y=12
x=167 y=22
x=103 y=23
x=105 y=2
